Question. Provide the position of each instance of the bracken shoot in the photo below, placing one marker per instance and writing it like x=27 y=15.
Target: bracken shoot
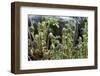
x=57 y=37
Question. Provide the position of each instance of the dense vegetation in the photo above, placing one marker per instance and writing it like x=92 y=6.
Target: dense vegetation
x=47 y=40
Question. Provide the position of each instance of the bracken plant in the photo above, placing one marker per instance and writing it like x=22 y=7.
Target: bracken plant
x=57 y=37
